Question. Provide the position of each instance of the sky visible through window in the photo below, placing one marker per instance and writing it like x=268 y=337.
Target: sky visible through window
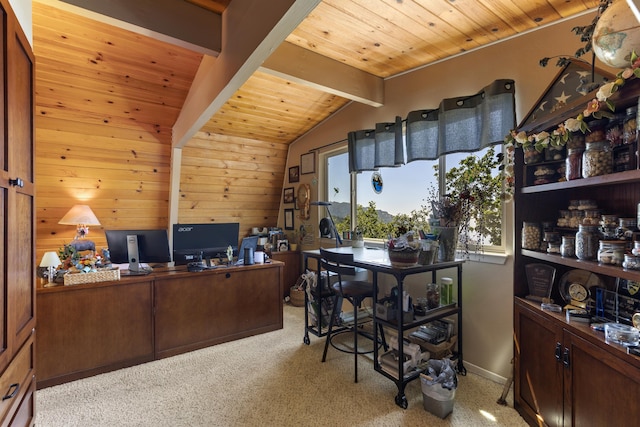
x=405 y=188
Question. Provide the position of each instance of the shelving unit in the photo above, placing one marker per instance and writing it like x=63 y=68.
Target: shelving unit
x=560 y=366
x=377 y=267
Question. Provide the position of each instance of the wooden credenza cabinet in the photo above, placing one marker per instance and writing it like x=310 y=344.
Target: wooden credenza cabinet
x=568 y=376
x=198 y=310
x=95 y=328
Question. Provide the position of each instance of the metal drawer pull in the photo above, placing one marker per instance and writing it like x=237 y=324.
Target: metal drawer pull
x=558 y=352
x=566 y=360
x=17 y=182
x=13 y=390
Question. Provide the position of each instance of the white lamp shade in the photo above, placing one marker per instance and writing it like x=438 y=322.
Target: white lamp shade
x=50 y=259
x=79 y=215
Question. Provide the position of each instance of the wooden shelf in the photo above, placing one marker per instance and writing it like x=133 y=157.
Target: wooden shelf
x=594 y=266
x=596 y=181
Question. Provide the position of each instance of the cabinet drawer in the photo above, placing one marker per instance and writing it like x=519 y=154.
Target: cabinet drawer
x=15 y=380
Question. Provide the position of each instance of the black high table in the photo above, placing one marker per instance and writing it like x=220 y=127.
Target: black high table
x=377 y=261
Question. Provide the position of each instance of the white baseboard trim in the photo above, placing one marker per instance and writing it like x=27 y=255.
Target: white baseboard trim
x=484 y=373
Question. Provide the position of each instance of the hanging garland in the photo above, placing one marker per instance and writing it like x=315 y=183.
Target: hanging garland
x=599 y=107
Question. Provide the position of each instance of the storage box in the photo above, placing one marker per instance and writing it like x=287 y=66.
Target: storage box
x=437 y=351
x=389 y=314
x=93 y=277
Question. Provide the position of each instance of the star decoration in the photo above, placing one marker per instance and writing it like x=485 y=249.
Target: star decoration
x=562 y=98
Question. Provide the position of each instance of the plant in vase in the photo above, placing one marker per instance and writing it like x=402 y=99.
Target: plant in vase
x=469 y=211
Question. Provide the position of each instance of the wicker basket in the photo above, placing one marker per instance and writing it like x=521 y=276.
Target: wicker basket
x=297 y=297
x=93 y=277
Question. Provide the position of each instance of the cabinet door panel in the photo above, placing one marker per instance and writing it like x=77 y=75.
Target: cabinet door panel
x=599 y=388
x=539 y=383
x=207 y=308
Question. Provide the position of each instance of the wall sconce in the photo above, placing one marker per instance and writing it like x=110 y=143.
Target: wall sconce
x=82 y=217
x=51 y=261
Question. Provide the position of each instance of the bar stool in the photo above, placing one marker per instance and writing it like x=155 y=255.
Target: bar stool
x=354 y=291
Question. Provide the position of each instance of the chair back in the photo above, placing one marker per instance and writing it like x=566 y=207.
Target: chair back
x=333 y=262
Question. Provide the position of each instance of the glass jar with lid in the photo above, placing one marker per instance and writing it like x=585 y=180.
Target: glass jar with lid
x=586 y=242
x=531 y=155
x=576 y=219
x=573 y=164
x=554 y=153
x=629 y=126
x=631 y=262
x=615 y=130
x=625 y=230
x=591 y=217
x=611 y=252
x=531 y=236
x=609 y=227
x=568 y=246
x=597 y=130
x=597 y=159
x=636 y=248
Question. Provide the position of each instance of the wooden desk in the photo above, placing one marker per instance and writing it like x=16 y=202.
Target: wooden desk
x=88 y=329
x=377 y=261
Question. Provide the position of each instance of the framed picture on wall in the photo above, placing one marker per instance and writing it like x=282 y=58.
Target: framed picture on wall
x=288 y=195
x=288 y=219
x=294 y=174
x=308 y=163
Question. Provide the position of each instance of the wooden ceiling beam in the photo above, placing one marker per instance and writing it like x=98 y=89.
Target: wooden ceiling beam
x=253 y=29
x=172 y=21
x=309 y=68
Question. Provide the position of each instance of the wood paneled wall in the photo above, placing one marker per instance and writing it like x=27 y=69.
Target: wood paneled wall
x=231 y=179
x=106 y=101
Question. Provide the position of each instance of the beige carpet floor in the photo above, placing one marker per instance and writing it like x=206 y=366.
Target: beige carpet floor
x=271 y=379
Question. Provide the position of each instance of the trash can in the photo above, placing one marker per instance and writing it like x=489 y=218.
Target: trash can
x=439 y=387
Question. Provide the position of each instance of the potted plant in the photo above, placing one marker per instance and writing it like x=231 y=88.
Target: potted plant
x=469 y=211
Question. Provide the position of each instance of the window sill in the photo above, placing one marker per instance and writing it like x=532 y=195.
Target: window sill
x=486 y=257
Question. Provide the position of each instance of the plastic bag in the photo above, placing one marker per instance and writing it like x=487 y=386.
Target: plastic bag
x=441 y=372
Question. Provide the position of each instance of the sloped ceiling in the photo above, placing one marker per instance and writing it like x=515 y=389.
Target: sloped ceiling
x=321 y=54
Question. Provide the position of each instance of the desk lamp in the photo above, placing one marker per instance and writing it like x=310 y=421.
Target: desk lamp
x=51 y=261
x=82 y=217
x=333 y=224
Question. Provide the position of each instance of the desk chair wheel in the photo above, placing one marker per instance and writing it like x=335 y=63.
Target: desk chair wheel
x=306 y=340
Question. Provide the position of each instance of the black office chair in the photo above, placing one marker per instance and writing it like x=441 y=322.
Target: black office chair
x=354 y=291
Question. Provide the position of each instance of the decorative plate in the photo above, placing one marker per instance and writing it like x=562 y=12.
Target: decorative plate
x=576 y=281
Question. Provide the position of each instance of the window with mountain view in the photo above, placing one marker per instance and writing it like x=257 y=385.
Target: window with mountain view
x=403 y=204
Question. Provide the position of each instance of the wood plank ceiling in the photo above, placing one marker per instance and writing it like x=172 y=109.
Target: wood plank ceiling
x=90 y=74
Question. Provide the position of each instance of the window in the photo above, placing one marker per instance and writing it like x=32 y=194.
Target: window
x=403 y=201
x=338 y=188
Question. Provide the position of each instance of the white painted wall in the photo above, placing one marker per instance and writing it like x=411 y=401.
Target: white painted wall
x=22 y=9
x=487 y=288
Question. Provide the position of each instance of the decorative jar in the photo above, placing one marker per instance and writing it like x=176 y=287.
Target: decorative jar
x=568 y=246
x=611 y=252
x=597 y=159
x=586 y=242
x=631 y=262
x=573 y=164
x=531 y=155
x=531 y=236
